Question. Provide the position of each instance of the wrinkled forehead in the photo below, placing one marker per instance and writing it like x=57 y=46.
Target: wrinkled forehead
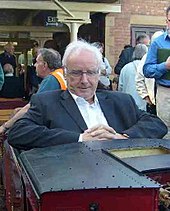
x=83 y=57
x=39 y=57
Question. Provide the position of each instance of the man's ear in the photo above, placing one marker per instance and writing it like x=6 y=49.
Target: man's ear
x=64 y=71
x=45 y=65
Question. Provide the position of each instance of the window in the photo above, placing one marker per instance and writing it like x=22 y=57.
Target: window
x=150 y=30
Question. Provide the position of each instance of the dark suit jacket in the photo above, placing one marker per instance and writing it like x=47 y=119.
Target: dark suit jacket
x=54 y=118
x=7 y=58
x=13 y=87
x=124 y=58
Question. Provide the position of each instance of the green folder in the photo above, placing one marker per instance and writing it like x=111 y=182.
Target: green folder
x=162 y=55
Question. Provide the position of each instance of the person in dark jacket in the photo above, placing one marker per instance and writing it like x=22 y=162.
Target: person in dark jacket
x=8 y=57
x=126 y=54
x=80 y=113
x=13 y=86
x=48 y=62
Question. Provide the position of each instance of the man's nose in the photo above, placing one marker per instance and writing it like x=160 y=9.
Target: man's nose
x=84 y=77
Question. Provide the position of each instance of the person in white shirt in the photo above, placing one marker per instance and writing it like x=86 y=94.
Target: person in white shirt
x=104 y=81
x=128 y=73
x=146 y=86
x=81 y=113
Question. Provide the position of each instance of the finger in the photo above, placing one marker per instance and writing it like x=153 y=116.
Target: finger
x=100 y=127
x=94 y=128
x=88 y=137
x=103 y=131
x=109 y=129
x=109 y=136
x=102 y=134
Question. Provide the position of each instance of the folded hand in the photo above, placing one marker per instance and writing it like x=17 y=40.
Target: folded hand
x=101 y=132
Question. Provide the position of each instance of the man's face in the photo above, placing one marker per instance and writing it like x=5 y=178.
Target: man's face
x=146 y=41
x=40 y=66
x=168 y=20
x=10 y=49
x=82 y=75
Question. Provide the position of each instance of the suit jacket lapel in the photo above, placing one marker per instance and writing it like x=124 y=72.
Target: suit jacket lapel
x=69 y=104
x=107 y=106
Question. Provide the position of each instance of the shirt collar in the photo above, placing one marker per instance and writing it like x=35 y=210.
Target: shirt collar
x=9 y=74
x=7 y=54
x=78 y=99
x=166 y=36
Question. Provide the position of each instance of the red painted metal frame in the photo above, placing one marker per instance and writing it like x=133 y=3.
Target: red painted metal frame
x=32 y=199
x=14 y=189
x=21 y=196
x=8 y=103
x=107 y=199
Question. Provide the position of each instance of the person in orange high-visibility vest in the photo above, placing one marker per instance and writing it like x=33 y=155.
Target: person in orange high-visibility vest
x=48 y=67
x=59 y=75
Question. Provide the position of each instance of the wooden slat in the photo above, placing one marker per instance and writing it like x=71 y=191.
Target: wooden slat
x=5 y=115
x=3 y=120
x=6 y=112
x=10 y=99
x=11 y=103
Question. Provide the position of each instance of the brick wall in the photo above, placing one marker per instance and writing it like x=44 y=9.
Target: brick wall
x=119 y=33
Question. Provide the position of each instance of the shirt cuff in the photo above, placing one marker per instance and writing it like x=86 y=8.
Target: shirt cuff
x=80 y=138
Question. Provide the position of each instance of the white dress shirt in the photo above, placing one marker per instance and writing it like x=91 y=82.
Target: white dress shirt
x=91 y=113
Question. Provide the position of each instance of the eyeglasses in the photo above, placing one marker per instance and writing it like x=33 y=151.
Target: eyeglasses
x=79 y=73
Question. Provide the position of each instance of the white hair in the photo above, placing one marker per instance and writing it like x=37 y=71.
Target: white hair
x=76 y=47
x=139 y=51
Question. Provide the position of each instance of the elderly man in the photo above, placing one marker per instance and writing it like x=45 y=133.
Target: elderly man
x=126 y=54
x=48 y=63
x=48 y=67
x=79 y=113
x=13 y=86
x=8 y=56
x=128 y=73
